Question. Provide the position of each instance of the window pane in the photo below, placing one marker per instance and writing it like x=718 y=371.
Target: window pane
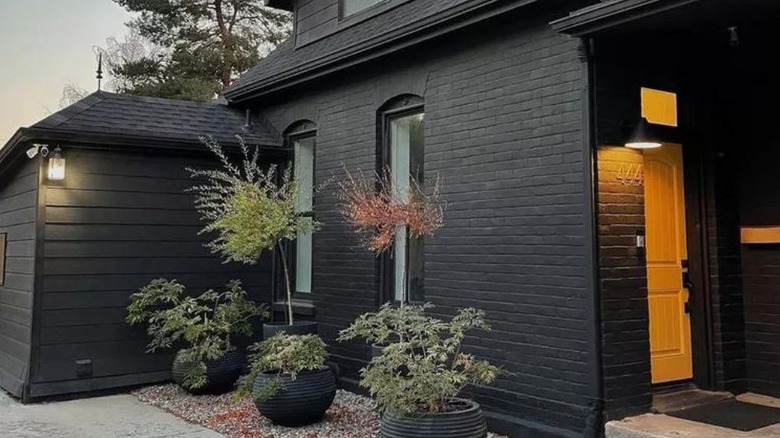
x=350 y=7
x=304 y=173
x=406 y=163
x=303 y=265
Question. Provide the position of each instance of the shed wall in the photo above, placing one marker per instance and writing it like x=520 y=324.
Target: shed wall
x=18 y=210
x=116 y=222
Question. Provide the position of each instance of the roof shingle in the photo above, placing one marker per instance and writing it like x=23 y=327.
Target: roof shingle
x=167 y=119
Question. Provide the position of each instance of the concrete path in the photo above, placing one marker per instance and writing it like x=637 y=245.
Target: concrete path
x=664 y=426
x=118 y=416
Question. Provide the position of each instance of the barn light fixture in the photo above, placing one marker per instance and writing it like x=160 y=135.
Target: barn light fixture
x=642 y=136
x=56 y=165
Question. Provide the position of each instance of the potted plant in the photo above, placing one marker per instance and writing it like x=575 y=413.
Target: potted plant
x=288 y=379
x=250 y=208
x=422 y=371
x=209 y=362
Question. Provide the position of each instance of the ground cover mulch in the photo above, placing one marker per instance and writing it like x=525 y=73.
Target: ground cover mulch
x=350 y=416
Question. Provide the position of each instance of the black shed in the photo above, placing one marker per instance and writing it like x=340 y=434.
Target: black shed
x=75 y=249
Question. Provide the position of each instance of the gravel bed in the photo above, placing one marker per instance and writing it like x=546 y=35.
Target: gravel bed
x=350 y=416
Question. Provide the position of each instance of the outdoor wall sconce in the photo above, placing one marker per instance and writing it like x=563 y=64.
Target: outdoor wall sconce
x=642 y=136
x=56 y=165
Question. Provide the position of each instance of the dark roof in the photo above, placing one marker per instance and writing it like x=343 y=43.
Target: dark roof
x=401 y=21
x=124 y=115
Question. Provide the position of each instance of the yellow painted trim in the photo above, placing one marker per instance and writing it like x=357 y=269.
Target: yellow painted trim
x=760 y=235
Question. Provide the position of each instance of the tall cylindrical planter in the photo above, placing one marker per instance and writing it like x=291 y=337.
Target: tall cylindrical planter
x=221 y=374
x=465 y=420
x=299 y=328
x=299 y=402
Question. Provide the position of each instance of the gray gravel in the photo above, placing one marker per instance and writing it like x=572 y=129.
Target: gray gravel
x=351 y=416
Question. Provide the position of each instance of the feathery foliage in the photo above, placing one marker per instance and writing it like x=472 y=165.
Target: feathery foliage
x=281 y=354
x=204 y=323
x=421 y=368
x=249 y=208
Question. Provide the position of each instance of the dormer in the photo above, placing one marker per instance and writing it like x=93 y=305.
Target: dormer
x=316 y=19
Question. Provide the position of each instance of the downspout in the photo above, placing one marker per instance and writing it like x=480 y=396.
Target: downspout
x=594 y=423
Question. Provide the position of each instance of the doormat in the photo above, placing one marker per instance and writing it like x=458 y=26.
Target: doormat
x=731 y=414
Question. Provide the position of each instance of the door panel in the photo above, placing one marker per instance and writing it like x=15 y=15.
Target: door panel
x=670 y=326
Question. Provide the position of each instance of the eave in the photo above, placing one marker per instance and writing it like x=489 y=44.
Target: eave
x=285 y=5
x=25 y=136
x=606 y=15
x=424 y=30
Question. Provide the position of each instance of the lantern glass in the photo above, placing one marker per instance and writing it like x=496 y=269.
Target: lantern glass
x=57 y=166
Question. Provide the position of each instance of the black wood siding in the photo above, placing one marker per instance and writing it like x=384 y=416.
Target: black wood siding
x=18 y=201
x=118 y=221
x=503 y=119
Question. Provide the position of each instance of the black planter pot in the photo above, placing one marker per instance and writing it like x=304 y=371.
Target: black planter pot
x=302 y=401
x=299 y=328
x=466 y=421
x=221 y=374
x=377 y=350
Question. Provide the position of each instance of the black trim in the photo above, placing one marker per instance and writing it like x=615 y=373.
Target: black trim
x=594 y=422
x=698 y=265
x=3 y=264
x=593 y=19
x=396 y=108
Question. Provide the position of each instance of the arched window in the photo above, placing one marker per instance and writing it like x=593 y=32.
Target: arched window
x=301 y=139
x=402 y=159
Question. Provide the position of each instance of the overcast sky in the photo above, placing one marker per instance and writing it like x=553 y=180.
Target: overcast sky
x=45 y=45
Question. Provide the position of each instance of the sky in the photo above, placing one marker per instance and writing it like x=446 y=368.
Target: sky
x=46 y=45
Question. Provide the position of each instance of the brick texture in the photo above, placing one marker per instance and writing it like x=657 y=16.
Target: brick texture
x=623 y=282
x=503 y=120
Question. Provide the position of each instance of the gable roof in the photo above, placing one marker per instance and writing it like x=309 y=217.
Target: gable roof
x=405 y=21
x=126 y=115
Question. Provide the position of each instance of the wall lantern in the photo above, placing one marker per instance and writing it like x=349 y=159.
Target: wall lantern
x=56 y=165
x=642 y=136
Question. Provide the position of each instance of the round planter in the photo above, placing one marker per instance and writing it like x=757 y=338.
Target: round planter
x=300 y=402
x=221 y=374
x=377 y=350
x=299 y=328
x=465 y=421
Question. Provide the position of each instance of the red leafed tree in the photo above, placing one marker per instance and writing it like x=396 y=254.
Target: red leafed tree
x=376 y=211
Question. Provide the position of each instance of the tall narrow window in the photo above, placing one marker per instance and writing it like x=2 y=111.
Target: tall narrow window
x=304 y=174
x=405 y=159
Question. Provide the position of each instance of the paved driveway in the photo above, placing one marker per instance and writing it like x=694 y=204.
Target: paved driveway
x=102 y=417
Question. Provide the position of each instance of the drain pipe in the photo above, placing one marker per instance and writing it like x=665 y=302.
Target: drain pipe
x=594 y=423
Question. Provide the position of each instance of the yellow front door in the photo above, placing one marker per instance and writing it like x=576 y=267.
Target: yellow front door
x=670 y=326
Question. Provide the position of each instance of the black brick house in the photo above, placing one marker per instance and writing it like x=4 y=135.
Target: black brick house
x=608 y=272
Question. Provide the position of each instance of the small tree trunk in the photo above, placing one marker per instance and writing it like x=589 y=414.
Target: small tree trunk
x=283 y=255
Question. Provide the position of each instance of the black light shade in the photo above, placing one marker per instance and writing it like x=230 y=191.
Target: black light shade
x=643 y=137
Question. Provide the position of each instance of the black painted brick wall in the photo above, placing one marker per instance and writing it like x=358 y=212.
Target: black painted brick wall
x=503 y=130
x=623 y=282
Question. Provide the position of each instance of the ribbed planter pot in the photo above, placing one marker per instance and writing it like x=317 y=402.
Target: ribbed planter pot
x=302 y=401
x=464 y=421
x=299 y=328
x=377 y=350
x=221 y=373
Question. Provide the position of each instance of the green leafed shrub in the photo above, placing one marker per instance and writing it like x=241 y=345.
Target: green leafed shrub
x=204 y=324
x=281 y=354
x=249 y=208
x=422 y=367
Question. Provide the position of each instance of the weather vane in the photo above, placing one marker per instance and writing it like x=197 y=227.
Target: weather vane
x=100 y=70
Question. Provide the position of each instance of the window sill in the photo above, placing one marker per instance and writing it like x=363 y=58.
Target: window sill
x=300 y=307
